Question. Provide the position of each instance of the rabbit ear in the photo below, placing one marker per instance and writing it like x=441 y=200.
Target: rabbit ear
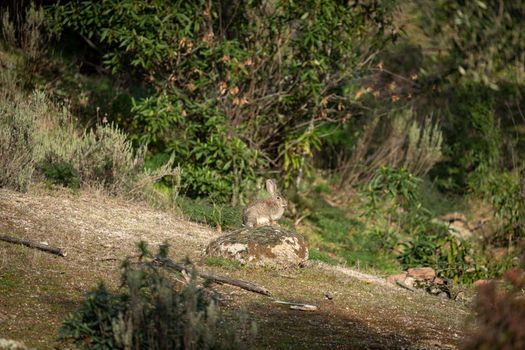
x=271 y=187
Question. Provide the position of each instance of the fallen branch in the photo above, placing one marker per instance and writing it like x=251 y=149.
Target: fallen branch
x=252 y=287
x=33 y=244
x=297 y=306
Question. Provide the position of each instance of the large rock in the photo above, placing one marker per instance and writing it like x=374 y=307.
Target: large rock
x=261 y=246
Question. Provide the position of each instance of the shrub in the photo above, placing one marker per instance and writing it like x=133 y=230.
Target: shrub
x=19 y=147
x=153 y=310
x=506 y=196
x=416 y=238
x=473 y=137
x=234 y=89
x=500 y=314
x=38 y=136
x=26 y=33
x=431 y=244
x=396 y=141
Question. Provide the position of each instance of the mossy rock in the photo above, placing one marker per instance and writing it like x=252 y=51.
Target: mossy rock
x=261 y=246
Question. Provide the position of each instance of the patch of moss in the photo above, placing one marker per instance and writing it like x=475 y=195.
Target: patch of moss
x=225 y=263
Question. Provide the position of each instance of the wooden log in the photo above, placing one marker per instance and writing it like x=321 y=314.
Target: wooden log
x=250 y=286
x=33 y=244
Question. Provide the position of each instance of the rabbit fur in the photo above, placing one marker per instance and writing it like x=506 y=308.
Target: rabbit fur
x=265 y=211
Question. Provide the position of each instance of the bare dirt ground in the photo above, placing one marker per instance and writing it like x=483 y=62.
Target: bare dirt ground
x=37 y=290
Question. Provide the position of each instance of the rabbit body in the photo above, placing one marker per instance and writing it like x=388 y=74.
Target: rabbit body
x=265 y=211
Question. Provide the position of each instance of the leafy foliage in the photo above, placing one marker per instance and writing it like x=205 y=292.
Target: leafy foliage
x=19 y=152
x=238 y=87
x=483 y=37
x=396 y=186
x=506 y=196
x=152 y=310
x=500 y=314
x=419 y=240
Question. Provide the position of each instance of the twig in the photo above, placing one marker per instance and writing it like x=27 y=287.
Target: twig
x=403 y=285
x=297 y=306
x=33 y=244
x=252 y=287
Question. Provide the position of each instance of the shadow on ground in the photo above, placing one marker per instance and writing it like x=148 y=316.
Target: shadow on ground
x=282 y=328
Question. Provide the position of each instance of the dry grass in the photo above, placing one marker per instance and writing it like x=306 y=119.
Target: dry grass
x=38 y=289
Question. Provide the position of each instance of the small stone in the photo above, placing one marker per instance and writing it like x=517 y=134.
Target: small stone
x=434 y=291
x=460 y=296
x=328 y=295
x=397 y=277
x=439 y=281
x=480 y=283
x=443 y=295
x=422 y=273
x=459 y=229
x=409 y=281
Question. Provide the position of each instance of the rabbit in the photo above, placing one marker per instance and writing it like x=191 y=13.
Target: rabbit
x=265 y=211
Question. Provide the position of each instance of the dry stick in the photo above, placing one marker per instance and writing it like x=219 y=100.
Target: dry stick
x=33 y=244
x=403 y=285
x=252 y=287
x=297 y=306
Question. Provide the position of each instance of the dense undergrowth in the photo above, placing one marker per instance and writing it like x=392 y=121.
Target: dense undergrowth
x=190 y=105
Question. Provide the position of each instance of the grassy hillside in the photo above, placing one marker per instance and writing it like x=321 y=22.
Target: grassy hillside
x=97 y=232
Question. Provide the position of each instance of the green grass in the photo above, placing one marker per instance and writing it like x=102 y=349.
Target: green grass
x=7 y=282
x=315 y=254
x=438 y=202
x=206 y=212
x=225 y=263
x=344 y=236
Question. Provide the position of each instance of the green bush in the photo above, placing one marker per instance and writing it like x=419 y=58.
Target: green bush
x=237 y=91
x=417 y=240
x=506 y=196
x=398 y=188
x=26 y=33
x=61 y=173
x=432 y=245
x=97 y=157
x=473 y=137
x=152 y=310
x=19 y=148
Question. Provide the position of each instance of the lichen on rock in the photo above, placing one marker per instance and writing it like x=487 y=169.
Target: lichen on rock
x=261 y=246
